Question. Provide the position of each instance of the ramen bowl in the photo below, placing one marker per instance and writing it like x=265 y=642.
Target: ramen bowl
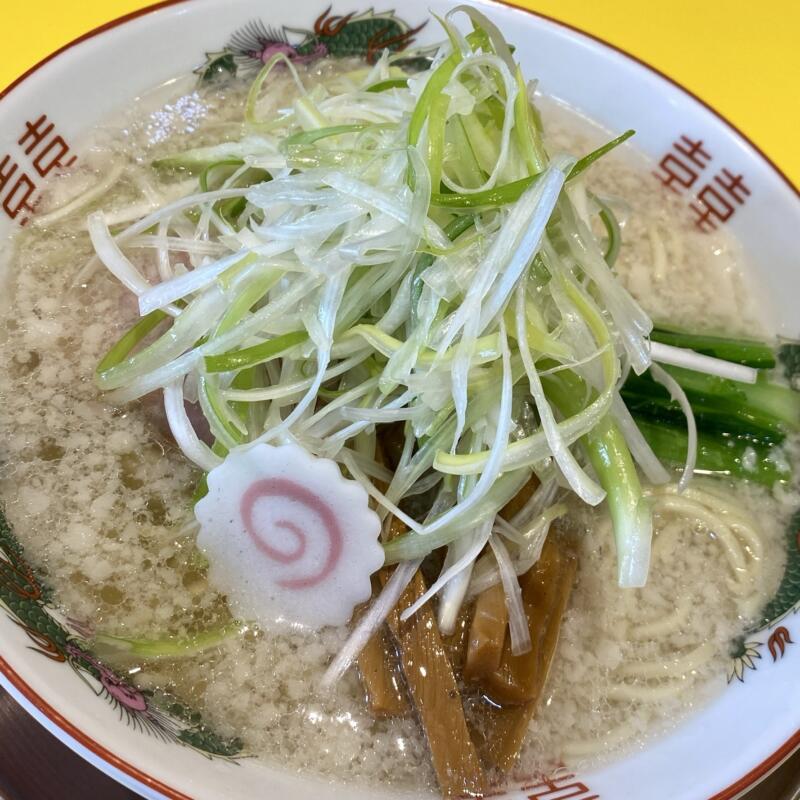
x=717 y=753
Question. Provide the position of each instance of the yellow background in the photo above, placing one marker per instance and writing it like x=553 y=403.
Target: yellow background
x=741 y=57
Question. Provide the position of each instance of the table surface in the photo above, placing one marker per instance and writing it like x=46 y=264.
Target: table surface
x=709 y=47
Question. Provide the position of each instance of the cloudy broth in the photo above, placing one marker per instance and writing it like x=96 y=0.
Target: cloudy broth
x=101 y=498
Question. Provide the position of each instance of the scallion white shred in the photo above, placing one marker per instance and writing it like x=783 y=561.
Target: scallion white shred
x=679 y=396
x=517 y=621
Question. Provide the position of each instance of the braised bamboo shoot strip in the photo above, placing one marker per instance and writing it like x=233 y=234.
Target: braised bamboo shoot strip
x=518 y=684
x=487 y=633
x=434 y=693
x=432 y=686
x=518 y=502
x=378 y=663
x=455 y=643
x=518 y=679
x=382 y=678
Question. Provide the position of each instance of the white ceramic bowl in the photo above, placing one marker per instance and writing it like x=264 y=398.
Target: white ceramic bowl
x=715 y=755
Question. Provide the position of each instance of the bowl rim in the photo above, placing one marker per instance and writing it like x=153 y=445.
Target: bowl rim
x=9 y=675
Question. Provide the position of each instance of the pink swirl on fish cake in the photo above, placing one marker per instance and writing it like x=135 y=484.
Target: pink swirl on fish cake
x=288 y=489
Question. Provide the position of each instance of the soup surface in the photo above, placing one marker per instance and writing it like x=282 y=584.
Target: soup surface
x=101 y=498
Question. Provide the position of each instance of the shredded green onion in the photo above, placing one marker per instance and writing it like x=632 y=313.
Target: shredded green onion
x=122 y=348
x=392 y=83
x=257 y=354
x=168 y=647
x=401 y=250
